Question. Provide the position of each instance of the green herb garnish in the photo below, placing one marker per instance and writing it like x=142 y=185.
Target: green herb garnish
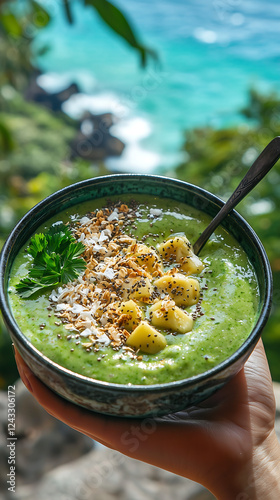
x=55 y=260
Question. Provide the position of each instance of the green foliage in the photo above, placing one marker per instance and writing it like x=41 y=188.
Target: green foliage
x=20 y=23
x=117 y=21
x=217 y=161
x=263 y=110
x=18 y=29
x=6 y=139
x=41 y=139
x=41 y=16
x=11 y=24
x=68 y=11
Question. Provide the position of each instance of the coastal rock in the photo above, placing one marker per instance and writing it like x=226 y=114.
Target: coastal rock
x=103 y=121
x=53 y=100
x=94 y=140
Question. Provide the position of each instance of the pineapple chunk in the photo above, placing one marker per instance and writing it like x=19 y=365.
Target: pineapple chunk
x=175 y=248
x=165 y=314
x=184 y=291
x=139 y=288
x=146 y=258
x=179 y=249
x=146 y=338
x=131 y=314
x=191 y=264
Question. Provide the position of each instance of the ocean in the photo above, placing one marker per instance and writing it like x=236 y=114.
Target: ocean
x=210 y=54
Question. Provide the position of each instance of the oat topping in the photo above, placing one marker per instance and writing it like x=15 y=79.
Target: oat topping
x=124 y=280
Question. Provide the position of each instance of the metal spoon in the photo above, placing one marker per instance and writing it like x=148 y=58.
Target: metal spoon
x=257 y=171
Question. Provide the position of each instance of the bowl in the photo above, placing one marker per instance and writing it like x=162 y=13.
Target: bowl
x=120 y=399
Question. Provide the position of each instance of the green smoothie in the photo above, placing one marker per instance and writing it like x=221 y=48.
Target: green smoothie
x=145 y=310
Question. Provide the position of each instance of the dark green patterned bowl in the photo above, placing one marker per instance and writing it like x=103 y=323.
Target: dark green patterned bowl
x=135 y=400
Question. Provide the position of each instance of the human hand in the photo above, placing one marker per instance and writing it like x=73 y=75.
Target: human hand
x=227 y=443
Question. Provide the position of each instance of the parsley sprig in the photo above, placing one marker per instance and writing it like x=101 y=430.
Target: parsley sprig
x=56 y=260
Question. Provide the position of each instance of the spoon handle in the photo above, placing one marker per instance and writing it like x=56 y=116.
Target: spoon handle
x=257 y=171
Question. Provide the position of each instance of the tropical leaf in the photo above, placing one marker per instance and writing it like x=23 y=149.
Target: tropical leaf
x=41 y=17
x=7 y=143
x=118 y=22
x=11 y=24
x=68 y=11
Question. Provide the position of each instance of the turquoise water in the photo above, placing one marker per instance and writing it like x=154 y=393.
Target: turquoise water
x=210 y=53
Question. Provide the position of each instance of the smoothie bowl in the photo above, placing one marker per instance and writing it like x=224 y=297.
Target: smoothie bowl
x=108 y=305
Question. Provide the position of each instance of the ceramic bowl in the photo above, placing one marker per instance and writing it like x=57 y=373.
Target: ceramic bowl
x=135 y=400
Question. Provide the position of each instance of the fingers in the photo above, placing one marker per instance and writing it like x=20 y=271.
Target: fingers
x=57 y=406
x=129 y=436
x=97 y=426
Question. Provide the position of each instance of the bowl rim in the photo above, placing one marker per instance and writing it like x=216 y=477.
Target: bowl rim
x=95 y=383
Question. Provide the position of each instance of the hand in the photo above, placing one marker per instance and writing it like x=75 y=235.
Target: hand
x=227 y=443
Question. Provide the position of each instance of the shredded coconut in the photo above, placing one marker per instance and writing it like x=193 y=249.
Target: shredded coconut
x=62 y=307
x=86 y=333
x=84 y=221
x=77 y=309
x=118 y=269
x=114 y=216
x=156 y=211
x=109 y=273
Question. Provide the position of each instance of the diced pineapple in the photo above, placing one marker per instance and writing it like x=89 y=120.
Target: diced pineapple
x=191 y=264
x=179 y=249
x=175 y=248
x=146 y=338
x=146 y=258
x=131 y=314
x=184 y=291
x=165 y=314
x=139 y=288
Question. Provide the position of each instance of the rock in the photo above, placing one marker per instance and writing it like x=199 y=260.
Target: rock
x=53 y=100
x=94 y=140
x=106 y=475
x=103 y=121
